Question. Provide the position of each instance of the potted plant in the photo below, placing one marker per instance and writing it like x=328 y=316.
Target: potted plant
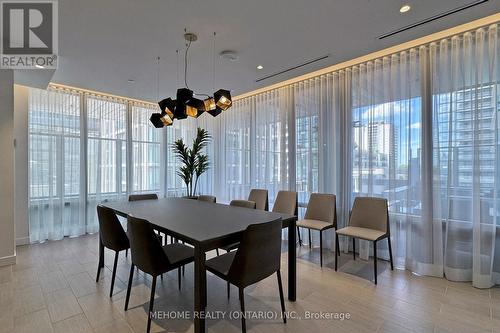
x=194 y=162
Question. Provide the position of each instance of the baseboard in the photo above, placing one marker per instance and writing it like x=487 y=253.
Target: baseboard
x=9 y=260
x=22 y=241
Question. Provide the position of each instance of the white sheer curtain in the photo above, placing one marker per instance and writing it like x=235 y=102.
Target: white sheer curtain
x=56 y=205
x=106 y=153
x=84 y=149
x=147 y=158
x=466 y=103
x=389 y=155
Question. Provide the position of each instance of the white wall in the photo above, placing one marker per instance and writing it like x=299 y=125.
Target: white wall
x=7 y=232
x=21 y=164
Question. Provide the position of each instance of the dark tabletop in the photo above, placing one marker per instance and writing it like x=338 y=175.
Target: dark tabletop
x=193 y=220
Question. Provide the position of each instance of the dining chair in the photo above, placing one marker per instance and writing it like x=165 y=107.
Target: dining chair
x=321 y=215
x=147 y=196
x=243 y=203
x=260 y=197
x=153 y=258
x=369 y=220
x=112 y=236
x=287 y=203
x=207 y=198
x=258 y=257
x=237 y=203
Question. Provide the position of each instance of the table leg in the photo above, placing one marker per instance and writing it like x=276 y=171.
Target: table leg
x=292 y=262
x=200 y=290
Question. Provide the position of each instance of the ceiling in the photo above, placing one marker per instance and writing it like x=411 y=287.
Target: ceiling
x=105 y=43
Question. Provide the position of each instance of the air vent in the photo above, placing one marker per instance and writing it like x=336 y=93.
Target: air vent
x=432 y=18
x=292 y=68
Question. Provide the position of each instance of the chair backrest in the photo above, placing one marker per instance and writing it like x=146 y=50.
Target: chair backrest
x=110 y=229
x=371 y=213
x=139 y=197
x=207 y=198
x=243 y=203
x=147 y=252
x=258 y=255
x=286 y=202
x=322 y=207
x=260 y=197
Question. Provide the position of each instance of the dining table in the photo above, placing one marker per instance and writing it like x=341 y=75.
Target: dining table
x=205 y=226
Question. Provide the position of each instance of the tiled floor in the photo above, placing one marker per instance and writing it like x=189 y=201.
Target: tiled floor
x=53 y=289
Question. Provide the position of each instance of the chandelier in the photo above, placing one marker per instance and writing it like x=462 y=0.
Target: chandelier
x=186 y=104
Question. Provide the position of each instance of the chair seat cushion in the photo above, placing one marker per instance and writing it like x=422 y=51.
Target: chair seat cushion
x=314 y=224
x=363 y=233
x=179 y=254
x=230 y=247
x=220 y=265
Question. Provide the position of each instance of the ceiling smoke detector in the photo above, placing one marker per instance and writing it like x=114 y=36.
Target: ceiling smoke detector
x=229 y=55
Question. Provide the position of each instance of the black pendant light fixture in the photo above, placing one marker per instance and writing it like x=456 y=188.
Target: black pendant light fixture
x=186 y=104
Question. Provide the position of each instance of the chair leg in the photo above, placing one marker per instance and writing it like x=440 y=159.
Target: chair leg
x=375 y=260
x=282 y=299
x=179 y=277
x=126 y=253
x=151 y=302
x=390 y=251
x=183 y=270
x=354 y=248
x=310 y=241
x=228 y=290
x=337 y=245
x=298 y=234
x=321 y=248
x=129 y=287
x=98 y=272
x=217 y=251
x=113 y=276
x=336 y=257
x=242 y=304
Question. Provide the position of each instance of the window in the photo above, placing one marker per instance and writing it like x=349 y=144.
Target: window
x=54 y=164
x=146 y=151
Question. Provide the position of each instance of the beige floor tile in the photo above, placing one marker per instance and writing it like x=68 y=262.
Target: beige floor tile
x=36 y=322
x=6 y=320
x=98 y=309
x=53 y=281
x=5 y=274
x=28 y=300
x=82 y=284
x=116 y=326
x=75 y=324
x=62 y=304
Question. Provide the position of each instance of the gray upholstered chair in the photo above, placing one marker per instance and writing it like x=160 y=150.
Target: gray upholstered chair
x=258 y=257
x=112 y=236
x=286 y=202
x=207 y=198
x=236 y=203
x=153 y=258
x=369 y=220
x=321 y=214
x=260 y=197
x=147 y=196
x=243 y=203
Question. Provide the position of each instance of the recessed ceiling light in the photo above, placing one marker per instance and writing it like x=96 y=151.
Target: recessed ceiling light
x=39 y=66
x=404 y=9
x=130 y=81
x=260 y=67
